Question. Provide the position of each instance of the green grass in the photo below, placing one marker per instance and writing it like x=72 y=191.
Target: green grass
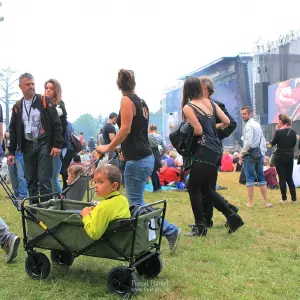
x=259 y=261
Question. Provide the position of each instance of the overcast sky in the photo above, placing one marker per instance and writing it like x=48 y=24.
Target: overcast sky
x=83 y=44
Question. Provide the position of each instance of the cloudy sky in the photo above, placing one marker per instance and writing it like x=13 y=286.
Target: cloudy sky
x=83 y=44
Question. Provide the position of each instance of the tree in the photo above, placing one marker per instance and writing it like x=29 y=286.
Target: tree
x=101 y=121
x=8 y=89
x=86 y=124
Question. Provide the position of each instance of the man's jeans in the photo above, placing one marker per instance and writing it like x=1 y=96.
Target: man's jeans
x=251 y=165
x=4 y=233
x=136 y=175
x=16 y=173
x=38 y=169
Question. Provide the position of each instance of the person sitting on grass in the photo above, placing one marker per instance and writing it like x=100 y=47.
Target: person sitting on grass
x=114 y=206
x=167 y=174
x=270 y=174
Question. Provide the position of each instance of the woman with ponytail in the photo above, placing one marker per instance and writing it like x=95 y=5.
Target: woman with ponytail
x=133 y=122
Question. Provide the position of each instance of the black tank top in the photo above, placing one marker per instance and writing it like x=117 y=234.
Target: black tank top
x=136 y=145
x=209 y=147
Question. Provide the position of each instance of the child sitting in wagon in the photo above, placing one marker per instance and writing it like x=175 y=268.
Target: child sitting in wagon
x=114 y=206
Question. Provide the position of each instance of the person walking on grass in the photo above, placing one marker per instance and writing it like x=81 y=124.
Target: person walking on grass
x=8 y=241
x=133 y=121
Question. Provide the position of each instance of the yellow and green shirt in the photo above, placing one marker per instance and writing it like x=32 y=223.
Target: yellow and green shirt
x=113 y=206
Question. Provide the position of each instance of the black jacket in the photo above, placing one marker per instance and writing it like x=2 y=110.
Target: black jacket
x=64 y=123
x=285 y=140
x=49 y=121
x=232 y=126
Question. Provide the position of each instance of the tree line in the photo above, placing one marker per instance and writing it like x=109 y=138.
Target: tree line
x=91 y=126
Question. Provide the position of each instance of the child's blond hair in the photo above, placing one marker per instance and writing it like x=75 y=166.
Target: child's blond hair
x=266 y=161
x=76 y=170
x=172 y=154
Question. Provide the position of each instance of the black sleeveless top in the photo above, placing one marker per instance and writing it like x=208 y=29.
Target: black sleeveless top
x=136 y=145
x=209 y=146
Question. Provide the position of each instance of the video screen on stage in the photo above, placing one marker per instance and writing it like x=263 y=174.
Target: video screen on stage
x=284 y=98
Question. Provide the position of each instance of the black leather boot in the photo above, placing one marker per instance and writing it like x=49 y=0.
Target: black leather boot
x=197 y=230
x=232 y=208
x=234 y=222
x=209 y=224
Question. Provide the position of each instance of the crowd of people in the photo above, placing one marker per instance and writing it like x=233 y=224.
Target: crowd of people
x=39 y=148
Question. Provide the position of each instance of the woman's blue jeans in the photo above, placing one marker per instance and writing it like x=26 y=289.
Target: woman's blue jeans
x=56 y=165
x=136 y=175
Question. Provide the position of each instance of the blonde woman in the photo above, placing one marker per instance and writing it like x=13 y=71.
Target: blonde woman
x=53 y=91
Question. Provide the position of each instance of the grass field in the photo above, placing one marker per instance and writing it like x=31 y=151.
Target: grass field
x=259 y=261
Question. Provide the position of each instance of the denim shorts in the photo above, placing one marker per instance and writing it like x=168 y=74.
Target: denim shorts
x=251 y=167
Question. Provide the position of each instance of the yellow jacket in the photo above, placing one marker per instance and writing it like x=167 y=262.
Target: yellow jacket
x=113 y=206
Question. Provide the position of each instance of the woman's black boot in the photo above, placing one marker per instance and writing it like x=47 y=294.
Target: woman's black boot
x=234 y=222
x=197 y=230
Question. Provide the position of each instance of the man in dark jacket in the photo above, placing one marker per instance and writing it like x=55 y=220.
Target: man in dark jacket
x=36 y=129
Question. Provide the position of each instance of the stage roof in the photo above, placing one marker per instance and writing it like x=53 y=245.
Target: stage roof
x=208 y=68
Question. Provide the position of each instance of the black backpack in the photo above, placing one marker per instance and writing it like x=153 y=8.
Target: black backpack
x=144 y=210
x=182 y=138
x=229 y=129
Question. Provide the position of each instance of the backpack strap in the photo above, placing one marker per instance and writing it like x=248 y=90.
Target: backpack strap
x=17 y=105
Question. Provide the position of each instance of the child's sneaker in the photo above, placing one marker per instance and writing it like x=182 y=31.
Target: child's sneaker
x=173 y=240
x=11 y=248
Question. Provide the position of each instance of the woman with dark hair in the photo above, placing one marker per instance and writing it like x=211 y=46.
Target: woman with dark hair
x=53 y=91
x=201 y=113
x=156 y=140
x=285 y=140
x=208 y=91
x=133 y=122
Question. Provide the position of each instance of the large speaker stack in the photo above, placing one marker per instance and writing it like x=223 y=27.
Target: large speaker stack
x=261 y=101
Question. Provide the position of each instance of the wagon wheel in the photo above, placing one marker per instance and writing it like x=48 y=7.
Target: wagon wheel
x=150 y=267
x=62 y=257
x=122 y=281
x=37 y=265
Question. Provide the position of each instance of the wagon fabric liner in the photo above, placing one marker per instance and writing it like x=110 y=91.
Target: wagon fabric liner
x=68 y=227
